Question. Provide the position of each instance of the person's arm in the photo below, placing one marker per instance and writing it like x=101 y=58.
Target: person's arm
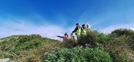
x=75 y=29
x=60 y=36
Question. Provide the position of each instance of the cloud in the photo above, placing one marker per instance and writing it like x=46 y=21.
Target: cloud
x=108 y=20
x=50 y=31
x=111 y=28
x=11 y=27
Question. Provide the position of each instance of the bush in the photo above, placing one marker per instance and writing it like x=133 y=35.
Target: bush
x=77 y=54
x=70 y=44
x=124 y=32
x=89 y=39
x=120 y=32
x=118 y=58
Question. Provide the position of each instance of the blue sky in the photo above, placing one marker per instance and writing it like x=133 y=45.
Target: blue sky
x=55 y=17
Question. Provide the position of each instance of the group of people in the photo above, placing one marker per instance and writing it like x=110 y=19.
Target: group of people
x=79 y=31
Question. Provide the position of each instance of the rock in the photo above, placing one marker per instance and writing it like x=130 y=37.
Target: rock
x=4 y=60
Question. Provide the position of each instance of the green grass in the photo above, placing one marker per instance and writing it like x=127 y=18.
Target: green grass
x=26 y=47
x=117 y=46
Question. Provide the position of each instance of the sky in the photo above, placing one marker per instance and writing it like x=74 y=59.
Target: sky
x=50 y=18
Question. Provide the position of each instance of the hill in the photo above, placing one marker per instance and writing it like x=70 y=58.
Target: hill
x=117 y=46
x=26 y=48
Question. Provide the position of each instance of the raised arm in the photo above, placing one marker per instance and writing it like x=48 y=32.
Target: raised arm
x=75 y=30
x=60 y=36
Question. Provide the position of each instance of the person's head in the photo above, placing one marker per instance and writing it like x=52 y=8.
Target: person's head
x=66 y=34
x=77 y=24
x=83 y=26
x=88 y=26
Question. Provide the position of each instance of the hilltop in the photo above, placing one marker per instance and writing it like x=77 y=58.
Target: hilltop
x=118 y=46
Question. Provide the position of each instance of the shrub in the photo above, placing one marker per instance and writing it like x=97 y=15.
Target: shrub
x=121 y=31
x=118 y=58
x=70 y=44
x=89 y=39
x=124 y=32
x=77 y=54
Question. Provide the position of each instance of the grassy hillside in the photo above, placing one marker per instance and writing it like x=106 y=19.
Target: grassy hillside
x=117 y=46
x=26 y=48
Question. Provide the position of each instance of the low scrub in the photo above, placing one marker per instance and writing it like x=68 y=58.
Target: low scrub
x=77 y=54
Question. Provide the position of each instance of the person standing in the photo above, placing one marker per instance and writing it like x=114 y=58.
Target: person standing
x=83 y=30
x=77 y=31
x=88 y=29
x=71 y=38
x=65 y=37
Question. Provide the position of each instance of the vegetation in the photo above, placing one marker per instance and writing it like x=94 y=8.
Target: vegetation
x=26 y=48
x=118 y=46
x=77 y=54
